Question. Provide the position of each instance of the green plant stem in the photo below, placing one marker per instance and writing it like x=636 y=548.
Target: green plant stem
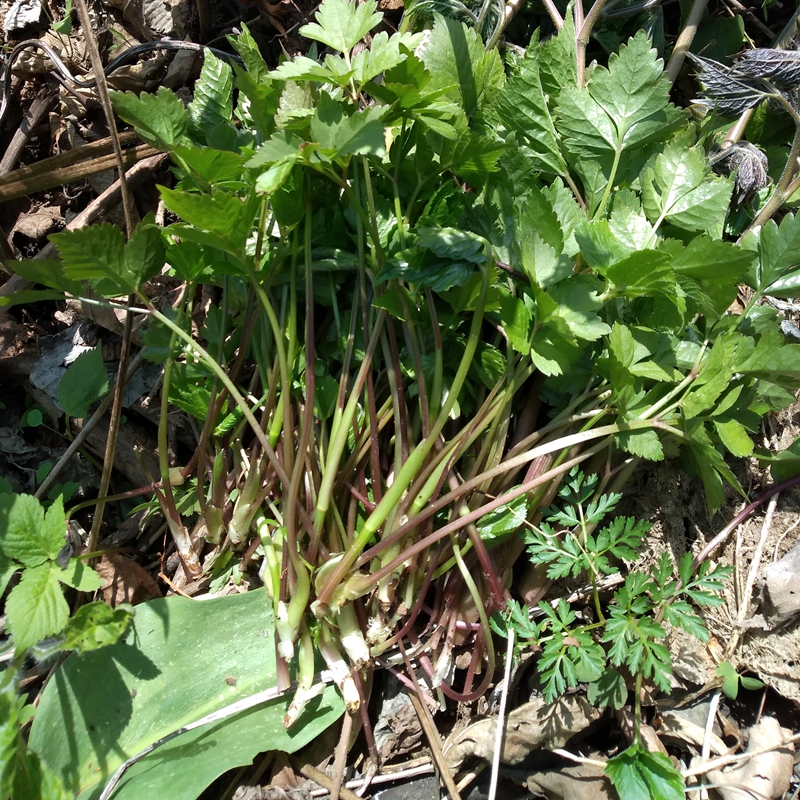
x=416 y=458
x=637 y=709
x=201 y=353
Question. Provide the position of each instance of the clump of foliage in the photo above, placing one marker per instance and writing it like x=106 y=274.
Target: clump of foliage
x=414 y=257
x=628 y=633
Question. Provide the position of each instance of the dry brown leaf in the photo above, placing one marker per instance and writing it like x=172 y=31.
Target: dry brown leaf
x=764 y=776
x=574 y=782
x=679 y=728
x=125 y=581
x=535 y=726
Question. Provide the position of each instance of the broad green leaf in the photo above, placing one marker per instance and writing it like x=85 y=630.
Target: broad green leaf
x=730 y=679
x=629 y=224
x=279 y=147
x=361 y=133
x=706 y=259
x=341 y=24
x=211 y=104
x=95 y=253
x=643 y=443
x=643 y=274
x=117 y=700
x=680 y=189
x=577 y=303
x=161 y=119
x=96 y=625
x=542 y=242
x=735 y=437
x=227 y=219
x=80 y=576
x=552 y=350
x=779 y=256
x=383 y=54
x=210 y=165
x=84 y=382
x=47 y=272
x=27 y=533
x=7 y=566
x=783 y=465
x=640 y=775
x=558 y=62
x=522 y=107
x=36 y=607
x=623 y=107
x=459 y=62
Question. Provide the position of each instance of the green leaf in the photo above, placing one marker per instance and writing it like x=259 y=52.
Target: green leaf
x=779 y=257
x=640 y=775
x=643 y=443
x=212 y=166
x=459 y=63
x=22 y=775
x=97 y=253
x=730 y=679
x=623 y=107
x=643 y=274
x=47 y=272
x=225 y=219
x=542 y=242
x=96 y=625
x=506 y=519
x=341 y=24
x=680 y=189
x=522 y=107
x=383 y=54
x=84 y=382
x=361 y=133
x=577 y=302
x=161 y=119
x=27 y=534
x=79 y=575
x=213 y=91
x=782 y=466
x=735 y=437
x=608 y=690
x=36 y=607
x=137 y=691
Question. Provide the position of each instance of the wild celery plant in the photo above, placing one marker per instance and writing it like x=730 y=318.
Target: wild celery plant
x=415 y=257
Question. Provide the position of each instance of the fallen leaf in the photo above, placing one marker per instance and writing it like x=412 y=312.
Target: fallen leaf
x=767 y=775
x=573 y=782
x=125 y=581
x=534 y=726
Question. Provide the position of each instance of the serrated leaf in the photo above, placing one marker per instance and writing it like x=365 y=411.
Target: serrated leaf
x=629 y=224
x=96 y=253
x=624 y=106
x=779 y=254
x=84 y=382
x=523 y=107
x=640 y=775
x=383 y=54
x=79 y=575
x=679 y=188
x=542 y=242
x=643 y=274
x=161 y=119
x=643 y=443
x=458 y=62
x=47 y=272
x=96 y=625
x=27 y=533
x=212 y=101
x=210 y=165
x=36 y=607
x=361 y=133
x=578 y=303
x=227 y=218
x=341 y=24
